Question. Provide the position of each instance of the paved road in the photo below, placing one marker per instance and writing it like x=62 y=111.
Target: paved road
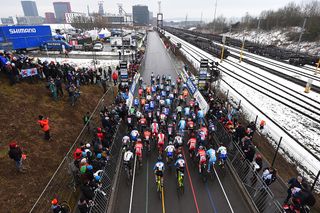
x=198 y=196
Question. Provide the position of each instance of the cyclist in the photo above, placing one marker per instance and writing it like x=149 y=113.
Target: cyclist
x=179 y=110
x=190 y=125
x=56 y=208
x=161 y=139
x=129 y=122
x=170 y=130
x=159 y=170
x=202 y=157
x=142 y=101
x=142 y=123
x=182 y=126
x=147 y=136
x=158 y=79
x=200 y=116
x=192 y=145
x=138 y=150
x=179 y=164
x=212 y=158
x=127 y=160
x=136 y=102
x=169 y=79
x=170 y=152
x=178 y=142
x=186 y=111
x=222 y=153
x=125 y=142
x=140 y=92
x=201 y=137
x=134 y=135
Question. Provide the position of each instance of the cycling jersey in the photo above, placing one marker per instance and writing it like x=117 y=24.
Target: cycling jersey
x=166 y=111
x=153 y=89
x=179 y=109
x=128 y=155
x=147 y=134
x=161 y=139
x=222 y=152
x=136 y=102
x=186 y=111
x=192 y=143
x=148 y=90
x=212 y=155
x=158 y=97
x=180 y=163
x=162 y=102
x=205 y=130
x=182 y=124
x=138 y=114
x=168 y=101
x=162 y=116
x=178 y=140
x=134 y=135
x=159 y=168
x=143 y=101
x=143 y=121
x=163 y=93
x=191 y=103
x=146 y=107
x=170 y=149
x=151 y=105
x=140 y=92
x=125 y=140
x=202 y=135
x=200 y=114
x=155 y=128
x=202 y=156
x=171 y=96
x=149 y=97
x=190 y=124
x=138 y=148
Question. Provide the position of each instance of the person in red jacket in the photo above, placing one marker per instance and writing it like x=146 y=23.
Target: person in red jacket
x=44 y=124
x=115 y=77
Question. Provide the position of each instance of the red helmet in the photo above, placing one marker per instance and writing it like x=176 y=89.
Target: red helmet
x=54 y=201
x=99 y=129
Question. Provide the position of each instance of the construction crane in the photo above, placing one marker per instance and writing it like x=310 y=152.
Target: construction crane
x=101 y=10
x=159 y=16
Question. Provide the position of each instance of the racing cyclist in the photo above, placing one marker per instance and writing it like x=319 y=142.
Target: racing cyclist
x=125 y=142
x=161 y=139
x=211 y=153
x=127 y=160
x=159 y=170
x=202 y=157
x=180 y=164
x=222 y=154
x=138 y=150
x=170 y=153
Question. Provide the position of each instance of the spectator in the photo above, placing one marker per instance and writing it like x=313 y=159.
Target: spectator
x=293 y=183
x=58 y=84
x=44 y=124
x=115 y=78
x=269 y=175
x=83 y=205
x=53 y=90
x=15 y=154
x=109 y=73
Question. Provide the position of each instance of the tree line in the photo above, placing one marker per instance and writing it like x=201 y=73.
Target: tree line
x=291 y=15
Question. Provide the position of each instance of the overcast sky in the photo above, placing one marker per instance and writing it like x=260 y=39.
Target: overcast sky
x=171 y=8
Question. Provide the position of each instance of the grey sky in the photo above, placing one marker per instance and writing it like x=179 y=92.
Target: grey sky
x=171 y=8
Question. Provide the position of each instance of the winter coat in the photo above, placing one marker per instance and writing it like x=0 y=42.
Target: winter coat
x=15 y=153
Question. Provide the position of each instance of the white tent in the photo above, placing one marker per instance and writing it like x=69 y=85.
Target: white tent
x=104 y=33
x=93 y=34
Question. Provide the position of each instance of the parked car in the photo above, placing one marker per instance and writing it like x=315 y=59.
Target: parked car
x=98 y=47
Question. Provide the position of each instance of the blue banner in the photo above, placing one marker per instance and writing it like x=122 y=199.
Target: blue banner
x=191 y=87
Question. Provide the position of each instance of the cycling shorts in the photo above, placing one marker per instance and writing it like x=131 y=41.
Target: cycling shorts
x=192 y=148
x=160 y=143
x=159 y=173
x=223 y=156
x=169 y=154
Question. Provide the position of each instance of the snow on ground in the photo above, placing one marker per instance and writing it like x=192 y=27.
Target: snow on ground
x=83 y=62
x=102 y=53
x=302 y=128
x=278 y=38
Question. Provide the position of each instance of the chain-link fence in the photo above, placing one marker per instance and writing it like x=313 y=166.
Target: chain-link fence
x=260 y=194
x=64 y=182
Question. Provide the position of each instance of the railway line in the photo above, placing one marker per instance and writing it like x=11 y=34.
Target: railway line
x=304 y=125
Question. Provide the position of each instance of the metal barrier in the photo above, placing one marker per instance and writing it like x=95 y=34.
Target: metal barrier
x=65 y=181
x=260 y=194
x=103 y=195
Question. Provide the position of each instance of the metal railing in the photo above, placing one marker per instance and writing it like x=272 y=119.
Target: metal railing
x=65 y=181
x=103 y=195
x=260 y=194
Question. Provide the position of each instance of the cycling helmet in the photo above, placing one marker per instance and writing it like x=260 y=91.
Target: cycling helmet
x=99 y=155
x=180 y=156
x=99 y=129
x=258 y=156
x=84 y=154
x=154 y=120
x=159 y=158
x=170 y=142
x=88 y=145
x=89 y=167
x=200 y=147
x=139 y=140
x=97 y=178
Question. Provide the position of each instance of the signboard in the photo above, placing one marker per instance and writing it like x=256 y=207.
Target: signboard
x=203 y=73
x=29 y=72
x=191 y=87
x=124 y=72
x=202 y=102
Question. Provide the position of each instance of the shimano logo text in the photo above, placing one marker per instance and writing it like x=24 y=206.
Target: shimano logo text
x=22 y=30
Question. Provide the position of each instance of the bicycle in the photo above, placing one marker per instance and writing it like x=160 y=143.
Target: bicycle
x=159 y=187
x=204 y=174
x=180 y=184
x=128 y=171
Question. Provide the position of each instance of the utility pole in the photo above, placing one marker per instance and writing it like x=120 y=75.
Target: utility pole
x=201 y=18
x=186 y=21
x=214 y=17
x=301 y=33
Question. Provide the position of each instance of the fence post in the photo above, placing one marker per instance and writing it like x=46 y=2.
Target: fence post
x=315 y=181
x=239 y=104
x=277 y=150
x=255 y=122
x=227 y=94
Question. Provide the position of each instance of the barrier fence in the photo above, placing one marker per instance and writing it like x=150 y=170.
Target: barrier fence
x=64 y=182
x=259 y=192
